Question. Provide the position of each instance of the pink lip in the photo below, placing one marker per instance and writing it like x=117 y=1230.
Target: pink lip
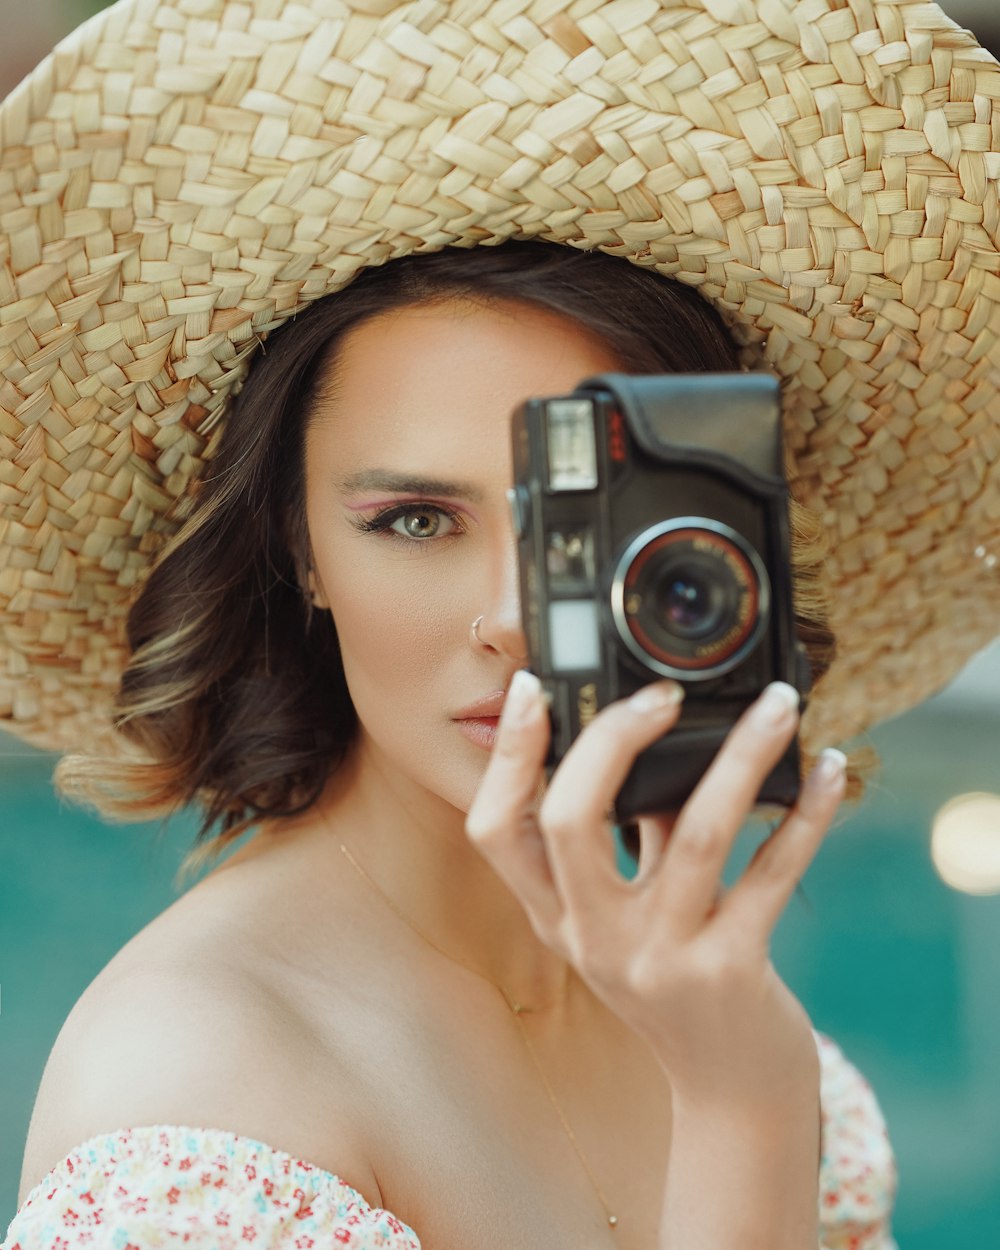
x=478 y=722
x=487 y=708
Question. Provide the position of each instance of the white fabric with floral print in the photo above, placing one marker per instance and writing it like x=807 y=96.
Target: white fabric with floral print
x=208 y=1189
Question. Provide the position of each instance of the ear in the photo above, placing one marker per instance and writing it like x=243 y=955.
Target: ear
x=317 y=594
x=305 y=570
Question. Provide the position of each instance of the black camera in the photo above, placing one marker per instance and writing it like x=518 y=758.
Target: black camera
x=652 y=521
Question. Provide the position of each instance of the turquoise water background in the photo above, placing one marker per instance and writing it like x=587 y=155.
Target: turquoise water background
x=902 y=971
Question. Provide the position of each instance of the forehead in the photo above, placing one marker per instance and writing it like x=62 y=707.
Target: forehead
x=444 y=377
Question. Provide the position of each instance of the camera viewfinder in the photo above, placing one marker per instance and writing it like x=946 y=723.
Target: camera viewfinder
x=569 y=560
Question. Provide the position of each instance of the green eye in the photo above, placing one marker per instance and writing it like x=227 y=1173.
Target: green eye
x=412 y=523
x=424 y=523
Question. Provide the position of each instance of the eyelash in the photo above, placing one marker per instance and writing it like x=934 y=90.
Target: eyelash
x=382 y=522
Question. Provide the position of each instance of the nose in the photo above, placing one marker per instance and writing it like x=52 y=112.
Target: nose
x=498 y=629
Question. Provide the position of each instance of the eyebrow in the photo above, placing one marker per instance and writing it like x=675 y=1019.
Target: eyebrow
x=407 y=484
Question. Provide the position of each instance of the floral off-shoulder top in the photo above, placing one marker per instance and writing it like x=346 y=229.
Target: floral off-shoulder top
x=207 y=1189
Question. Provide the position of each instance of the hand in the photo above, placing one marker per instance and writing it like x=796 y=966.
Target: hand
x=681 y=961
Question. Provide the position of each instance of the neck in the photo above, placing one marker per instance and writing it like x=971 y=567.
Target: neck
x=413 y=847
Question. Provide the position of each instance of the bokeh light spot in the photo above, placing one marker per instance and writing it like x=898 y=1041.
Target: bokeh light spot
x=965 y=843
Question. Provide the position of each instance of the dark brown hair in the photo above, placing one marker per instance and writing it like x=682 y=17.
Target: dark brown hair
x=235 y=693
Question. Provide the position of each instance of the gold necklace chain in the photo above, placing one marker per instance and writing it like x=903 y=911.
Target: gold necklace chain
x=516 y=1009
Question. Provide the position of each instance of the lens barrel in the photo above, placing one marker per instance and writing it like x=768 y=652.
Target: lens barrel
x=690 y=598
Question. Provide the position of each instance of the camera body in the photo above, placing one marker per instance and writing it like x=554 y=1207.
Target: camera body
x=652 y=522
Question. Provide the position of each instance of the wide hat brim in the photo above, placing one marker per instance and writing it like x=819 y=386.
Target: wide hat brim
x=181 y=176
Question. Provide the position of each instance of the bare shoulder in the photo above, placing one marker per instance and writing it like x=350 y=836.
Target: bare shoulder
x=193 y=1039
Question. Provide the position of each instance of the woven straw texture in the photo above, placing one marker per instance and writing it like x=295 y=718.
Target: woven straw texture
x=182 y=175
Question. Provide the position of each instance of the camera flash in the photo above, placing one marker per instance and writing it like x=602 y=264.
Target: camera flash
x=569 y=438
x=574 y=635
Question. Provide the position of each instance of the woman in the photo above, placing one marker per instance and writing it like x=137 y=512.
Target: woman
x=391 y=488
x=469 y=1018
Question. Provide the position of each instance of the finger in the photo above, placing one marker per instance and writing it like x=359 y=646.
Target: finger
x=754 y=905
x=574 y=814
x=692 y=864
x=501 y=822
x=654 y=833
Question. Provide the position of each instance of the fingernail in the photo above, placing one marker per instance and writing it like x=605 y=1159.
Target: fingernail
x=829 y=768
x=522 y=698
x=656 y=698
x=777 y=701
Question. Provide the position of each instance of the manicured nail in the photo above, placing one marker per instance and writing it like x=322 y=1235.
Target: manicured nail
x=775 y=704
x=829 y=768
x=655 y=699
x=522 y=698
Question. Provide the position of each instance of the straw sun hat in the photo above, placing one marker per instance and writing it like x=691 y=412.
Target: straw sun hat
x=180 y=176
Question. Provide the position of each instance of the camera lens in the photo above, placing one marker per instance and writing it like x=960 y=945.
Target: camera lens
x=690 y=603
x=690 y=598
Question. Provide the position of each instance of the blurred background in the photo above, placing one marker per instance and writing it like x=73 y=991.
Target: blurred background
x=892 y=947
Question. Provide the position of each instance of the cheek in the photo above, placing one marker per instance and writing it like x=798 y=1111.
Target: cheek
x=397 y=624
